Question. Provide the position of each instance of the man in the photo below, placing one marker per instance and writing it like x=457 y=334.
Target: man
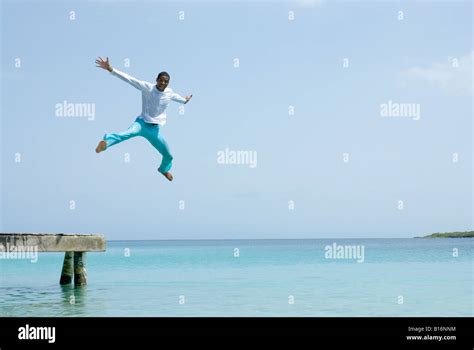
x=155 y=100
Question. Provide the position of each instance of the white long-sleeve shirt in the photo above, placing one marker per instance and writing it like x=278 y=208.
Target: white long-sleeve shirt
x=154 y=102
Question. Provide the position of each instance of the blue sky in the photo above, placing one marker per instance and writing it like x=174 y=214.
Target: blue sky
x=53 y=181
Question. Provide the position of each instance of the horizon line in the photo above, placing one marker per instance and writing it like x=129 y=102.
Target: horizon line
x=254 y=239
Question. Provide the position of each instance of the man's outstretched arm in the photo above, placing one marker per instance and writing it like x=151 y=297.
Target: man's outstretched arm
x=138 y=84
x=177 y=98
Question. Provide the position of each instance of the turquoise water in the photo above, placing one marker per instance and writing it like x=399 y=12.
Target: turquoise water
x=398 y=277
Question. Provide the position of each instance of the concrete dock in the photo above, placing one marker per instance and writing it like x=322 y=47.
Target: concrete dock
x=75 y=247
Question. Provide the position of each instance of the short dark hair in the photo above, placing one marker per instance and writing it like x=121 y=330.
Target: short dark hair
x=163 y=74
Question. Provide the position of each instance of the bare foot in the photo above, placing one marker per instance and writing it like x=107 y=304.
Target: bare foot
x=168 y=175
x=101 y=146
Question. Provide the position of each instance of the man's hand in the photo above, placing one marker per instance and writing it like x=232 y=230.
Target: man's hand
x=103 y=64
x=188 y=98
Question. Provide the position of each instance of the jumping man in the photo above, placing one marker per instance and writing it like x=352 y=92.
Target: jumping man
x=155 y=100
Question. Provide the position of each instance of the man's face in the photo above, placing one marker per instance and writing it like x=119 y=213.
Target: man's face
x=162 y=83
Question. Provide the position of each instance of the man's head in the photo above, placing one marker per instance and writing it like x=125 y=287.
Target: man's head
x=162 y=81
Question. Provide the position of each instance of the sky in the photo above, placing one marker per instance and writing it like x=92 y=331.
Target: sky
x=351 y=119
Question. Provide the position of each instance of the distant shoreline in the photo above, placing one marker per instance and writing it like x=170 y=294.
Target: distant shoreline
x=466 y=234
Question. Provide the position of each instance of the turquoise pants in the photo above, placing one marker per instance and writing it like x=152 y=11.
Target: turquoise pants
x=149 y=131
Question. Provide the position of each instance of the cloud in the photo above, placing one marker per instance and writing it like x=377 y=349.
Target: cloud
x=453 y=77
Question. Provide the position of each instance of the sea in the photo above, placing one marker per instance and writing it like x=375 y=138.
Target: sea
x=252 y=278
